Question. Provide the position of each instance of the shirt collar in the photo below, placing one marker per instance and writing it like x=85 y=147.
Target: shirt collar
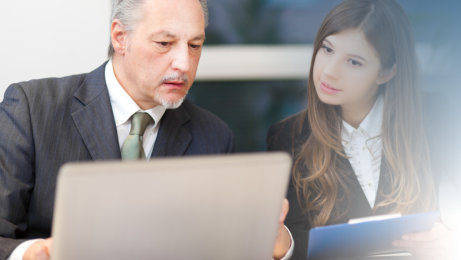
x=371 y=125
x=123 y=106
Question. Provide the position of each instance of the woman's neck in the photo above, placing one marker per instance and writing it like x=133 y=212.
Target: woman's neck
x=355 y=114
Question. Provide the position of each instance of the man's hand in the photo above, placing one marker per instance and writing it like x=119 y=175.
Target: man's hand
x=434 y=244
x=39 y=250
x=283 y=241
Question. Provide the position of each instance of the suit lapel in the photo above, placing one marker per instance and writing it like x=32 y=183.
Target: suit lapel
x=93 y=117
x=384 y=187
x=173 y=138
x=357 y=205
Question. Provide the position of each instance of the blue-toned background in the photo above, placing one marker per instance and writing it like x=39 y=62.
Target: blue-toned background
x=251 y=107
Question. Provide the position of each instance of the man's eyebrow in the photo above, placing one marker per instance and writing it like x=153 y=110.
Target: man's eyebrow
x=173 y=36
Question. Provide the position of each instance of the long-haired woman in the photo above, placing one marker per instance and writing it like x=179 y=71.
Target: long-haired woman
x=359 y=147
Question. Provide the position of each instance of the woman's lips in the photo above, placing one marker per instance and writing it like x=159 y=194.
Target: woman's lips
x=328 y=89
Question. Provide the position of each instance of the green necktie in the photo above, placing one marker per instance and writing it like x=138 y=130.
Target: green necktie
x=132 y=147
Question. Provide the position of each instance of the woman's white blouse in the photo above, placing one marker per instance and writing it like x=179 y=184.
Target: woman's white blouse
x=363 y=147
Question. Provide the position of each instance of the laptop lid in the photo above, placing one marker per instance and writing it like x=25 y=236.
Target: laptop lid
x=200 y=207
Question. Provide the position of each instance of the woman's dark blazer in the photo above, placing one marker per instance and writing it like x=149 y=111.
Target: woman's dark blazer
x=289 y=135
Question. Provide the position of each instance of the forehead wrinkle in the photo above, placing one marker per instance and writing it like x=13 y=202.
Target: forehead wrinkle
x=164 y=33
x=168 y=34
x=199 y=37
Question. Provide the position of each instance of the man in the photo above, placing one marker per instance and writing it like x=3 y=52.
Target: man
x=155 y=49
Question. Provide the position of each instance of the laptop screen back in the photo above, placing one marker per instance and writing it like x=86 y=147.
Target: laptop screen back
x=203 y=207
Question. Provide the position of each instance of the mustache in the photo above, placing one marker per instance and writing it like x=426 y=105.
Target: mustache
x=174 y=77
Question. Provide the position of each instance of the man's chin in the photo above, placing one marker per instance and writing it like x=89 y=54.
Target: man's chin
x=171 y=104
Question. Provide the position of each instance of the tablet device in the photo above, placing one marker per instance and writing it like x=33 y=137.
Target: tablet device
x=365 y=238
x=198 y=207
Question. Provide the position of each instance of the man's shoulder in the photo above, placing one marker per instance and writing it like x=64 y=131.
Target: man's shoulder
x=45 y=92
x=58 y=89
x=51 y=85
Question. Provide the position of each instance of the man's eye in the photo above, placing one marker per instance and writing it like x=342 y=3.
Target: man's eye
x=195 y=46
x=163 y=44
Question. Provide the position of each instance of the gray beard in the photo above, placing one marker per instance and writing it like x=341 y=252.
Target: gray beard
x=171 y=105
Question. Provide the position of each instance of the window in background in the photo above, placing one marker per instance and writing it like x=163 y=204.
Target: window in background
x=250 y=107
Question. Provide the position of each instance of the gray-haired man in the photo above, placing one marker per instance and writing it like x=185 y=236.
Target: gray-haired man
x=155 y=50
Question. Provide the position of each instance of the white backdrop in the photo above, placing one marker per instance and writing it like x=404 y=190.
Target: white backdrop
x=51 y=38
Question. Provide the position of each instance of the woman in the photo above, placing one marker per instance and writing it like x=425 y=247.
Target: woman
x=359 y=148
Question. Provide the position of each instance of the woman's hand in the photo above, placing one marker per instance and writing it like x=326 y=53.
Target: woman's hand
x=438 y=243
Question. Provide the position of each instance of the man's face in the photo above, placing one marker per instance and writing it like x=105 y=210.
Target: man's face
x=157 y=61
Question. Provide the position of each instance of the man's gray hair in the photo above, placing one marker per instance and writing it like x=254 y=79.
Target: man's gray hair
x=127 y=11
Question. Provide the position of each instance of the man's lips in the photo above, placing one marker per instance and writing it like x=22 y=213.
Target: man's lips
x=177 y=84
x=325 y=87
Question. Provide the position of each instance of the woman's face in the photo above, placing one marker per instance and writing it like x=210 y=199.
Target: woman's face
x=347 y=71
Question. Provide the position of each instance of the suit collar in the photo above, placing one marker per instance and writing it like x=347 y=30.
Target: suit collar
x=93 y=116
x=173 y=137
x=92 y=86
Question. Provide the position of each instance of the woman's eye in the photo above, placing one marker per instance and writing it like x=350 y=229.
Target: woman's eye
x=327 y=49
x=355 y=63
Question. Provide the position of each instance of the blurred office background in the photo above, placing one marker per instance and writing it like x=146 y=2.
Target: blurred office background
x=250 y=106
x=51 y=38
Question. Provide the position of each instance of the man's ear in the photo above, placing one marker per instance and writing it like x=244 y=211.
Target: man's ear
x=118 y=36
x=386 y=75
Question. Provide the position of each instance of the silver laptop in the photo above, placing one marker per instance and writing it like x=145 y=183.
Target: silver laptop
x=200 y=207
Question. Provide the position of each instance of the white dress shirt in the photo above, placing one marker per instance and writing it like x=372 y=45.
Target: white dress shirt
x=363 y=146
x=123 y=107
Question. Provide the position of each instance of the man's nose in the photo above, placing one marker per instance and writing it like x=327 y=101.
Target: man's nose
x=181 y=58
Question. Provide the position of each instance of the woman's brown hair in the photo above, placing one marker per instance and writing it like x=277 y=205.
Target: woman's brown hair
x=319 y=171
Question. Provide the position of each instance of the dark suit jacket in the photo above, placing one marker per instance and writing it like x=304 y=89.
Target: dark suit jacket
x=289 y=135
x=46 y=123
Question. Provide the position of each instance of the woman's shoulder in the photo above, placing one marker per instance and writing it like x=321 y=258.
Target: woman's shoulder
x=289 y=133
x=288 y=124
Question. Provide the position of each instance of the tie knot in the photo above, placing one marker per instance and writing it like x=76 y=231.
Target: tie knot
x=139 y=122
